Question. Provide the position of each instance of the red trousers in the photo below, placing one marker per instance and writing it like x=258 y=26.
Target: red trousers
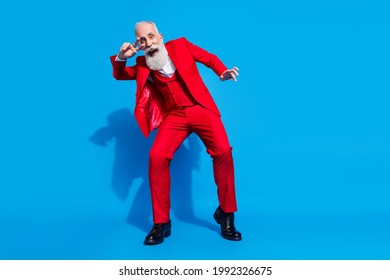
x=175 y=128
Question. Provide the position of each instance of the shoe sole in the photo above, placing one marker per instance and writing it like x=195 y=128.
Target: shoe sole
x=232 y=239
x=167 y=234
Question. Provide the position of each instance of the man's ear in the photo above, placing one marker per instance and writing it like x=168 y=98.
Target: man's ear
x=161 y=37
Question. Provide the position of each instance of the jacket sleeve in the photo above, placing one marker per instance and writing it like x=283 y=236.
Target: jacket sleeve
x=208 y=59
x=122 y=72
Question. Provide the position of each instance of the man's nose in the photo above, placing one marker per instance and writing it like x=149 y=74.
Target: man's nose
x=148 y=43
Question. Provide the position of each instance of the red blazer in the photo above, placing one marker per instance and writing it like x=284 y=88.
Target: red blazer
x=149 y=109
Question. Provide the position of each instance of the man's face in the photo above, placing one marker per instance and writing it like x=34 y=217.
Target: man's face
x=149 y=38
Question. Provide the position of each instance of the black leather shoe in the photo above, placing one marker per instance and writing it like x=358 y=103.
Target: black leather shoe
x=157 y=234
x=226 y=221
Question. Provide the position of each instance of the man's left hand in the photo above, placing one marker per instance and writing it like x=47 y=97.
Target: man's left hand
x=229 y=74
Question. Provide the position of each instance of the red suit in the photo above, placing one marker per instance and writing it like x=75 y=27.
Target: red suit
x=179 y=106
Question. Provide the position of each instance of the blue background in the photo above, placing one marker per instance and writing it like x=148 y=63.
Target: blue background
x=308 y=121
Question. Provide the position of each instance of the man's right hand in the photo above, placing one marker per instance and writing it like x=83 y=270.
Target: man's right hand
x=128 y=50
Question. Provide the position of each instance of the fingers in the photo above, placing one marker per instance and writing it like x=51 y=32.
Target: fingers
x=125 y=47
x=235 y=71
x=135 y=45
x=142 y=46
x=230 y=74
x=128 y=50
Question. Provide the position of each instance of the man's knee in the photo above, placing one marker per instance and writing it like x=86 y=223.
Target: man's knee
x=222 y=152
x=159 y=156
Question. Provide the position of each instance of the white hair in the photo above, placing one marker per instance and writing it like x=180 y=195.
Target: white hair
x=145 y=21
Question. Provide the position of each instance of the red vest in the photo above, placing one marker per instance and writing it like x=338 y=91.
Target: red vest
x=174 y=91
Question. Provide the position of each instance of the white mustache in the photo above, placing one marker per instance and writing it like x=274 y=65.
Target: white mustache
x=148 y=50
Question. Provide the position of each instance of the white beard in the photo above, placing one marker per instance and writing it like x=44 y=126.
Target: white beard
x=159 y=60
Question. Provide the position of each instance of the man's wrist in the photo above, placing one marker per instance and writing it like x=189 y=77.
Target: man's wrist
x=119 y=58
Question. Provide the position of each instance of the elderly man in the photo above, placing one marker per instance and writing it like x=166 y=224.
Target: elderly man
x=172 y=97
